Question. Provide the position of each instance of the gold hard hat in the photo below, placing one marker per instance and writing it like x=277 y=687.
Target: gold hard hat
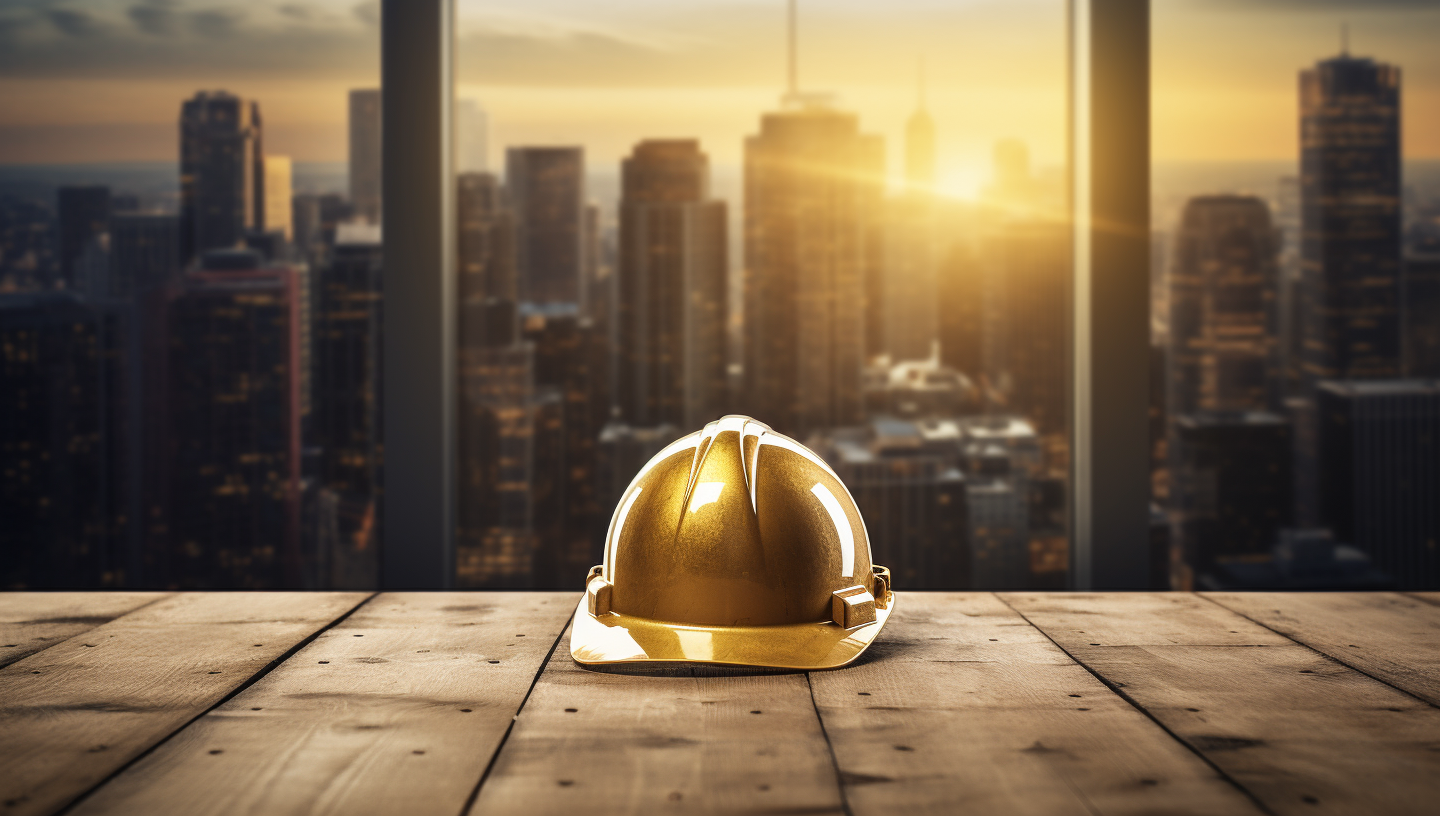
x=734 y=545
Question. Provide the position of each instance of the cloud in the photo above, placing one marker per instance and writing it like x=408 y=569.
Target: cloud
x=71 y=23
x=155 y=17
x=367 y=12
x=215 y=23
x=295 y=11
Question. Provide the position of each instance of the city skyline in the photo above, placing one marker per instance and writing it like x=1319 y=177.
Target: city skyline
x=606 y=100
x=920 y=345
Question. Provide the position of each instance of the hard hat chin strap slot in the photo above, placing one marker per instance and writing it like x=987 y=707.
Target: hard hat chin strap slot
x=598 y=594
x=853 y=606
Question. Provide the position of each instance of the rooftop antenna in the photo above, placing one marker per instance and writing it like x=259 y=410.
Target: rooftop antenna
x=794 y=82
x=1344 y=39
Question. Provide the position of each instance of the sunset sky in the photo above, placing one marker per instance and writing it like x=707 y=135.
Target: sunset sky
x=101 y=80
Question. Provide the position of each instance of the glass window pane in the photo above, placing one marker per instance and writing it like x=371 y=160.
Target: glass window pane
x=662 y=219
x=1297 y=221
x=189 y=294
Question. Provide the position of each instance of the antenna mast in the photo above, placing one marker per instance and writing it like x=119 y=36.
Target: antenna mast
x=1344 y=39
x=794 y=83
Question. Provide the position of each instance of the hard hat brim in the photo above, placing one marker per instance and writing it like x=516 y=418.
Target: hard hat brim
x=615 y=638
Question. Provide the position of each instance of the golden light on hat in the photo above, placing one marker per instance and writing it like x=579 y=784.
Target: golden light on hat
x=734 y=545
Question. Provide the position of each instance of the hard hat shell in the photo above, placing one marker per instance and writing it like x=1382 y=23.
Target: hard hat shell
x=734 y=545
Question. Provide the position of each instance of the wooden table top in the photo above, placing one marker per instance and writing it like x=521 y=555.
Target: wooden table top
x=467 y=702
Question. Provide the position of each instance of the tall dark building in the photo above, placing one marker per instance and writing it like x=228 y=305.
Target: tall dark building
x=1224 y=316
x=349 y=380
x=1026 y=318
x=224 y=442
x=547 y=192
x=84 y=215
x=1379 y=473
x=1422 y=315
x=64 y=453
x=509 y=463
x=487 y=283
x=570 y=359
x=365 y=182
x=1231 y=485
x=144 y=252
x=671 y=309
x=960 y=304
x=222 y=173
x=1350 y=212
x=909 y=328
x=808 y=213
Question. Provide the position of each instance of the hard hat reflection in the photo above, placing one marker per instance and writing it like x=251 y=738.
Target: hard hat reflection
x=615 y=534
x=842 y=527
x=705 y=493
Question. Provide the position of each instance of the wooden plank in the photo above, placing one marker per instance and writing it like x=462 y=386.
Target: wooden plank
x=31 y=621
x=80 y=710
x=966 y=708
x=396 y=710
x=1303 y=733
x=1427 y=597
x=647 y=742
x=1383 y=634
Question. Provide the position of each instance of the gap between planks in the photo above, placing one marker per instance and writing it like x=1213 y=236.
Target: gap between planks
x=1302 y=732
x=81 y=710
x=396 y=709
x=1391 y=638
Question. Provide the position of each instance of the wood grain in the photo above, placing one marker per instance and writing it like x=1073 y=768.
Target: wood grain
x=80 y=710
x=963 y=707
x=1383 y=634
x=396 y=710
x=1303 y=733
x=31 y=621
x=654 y=742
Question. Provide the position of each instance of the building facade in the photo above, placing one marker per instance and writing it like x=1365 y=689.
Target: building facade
x=673 y=288
x=808 y=212
x=365 y=171
x=547 y=194
x=1379 y=473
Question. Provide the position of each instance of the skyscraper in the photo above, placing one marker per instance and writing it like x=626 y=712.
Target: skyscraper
x=224 y=503
x=62 y=485
x=1350 y=202
x=547 y=192
x=1025 y=318
x=1231 y=485
x=222 y=172
x=1379 y=473
x=365 y=184
x=277 y=197
x=911 y=248
x=960 y=307
x=84 y=215
x=1422 y=314
x=671 y=309
x=349 y=381
x=1224 y=315
x=920 y=145
x=144 y=252
x=807 y=218
x=487 y=284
